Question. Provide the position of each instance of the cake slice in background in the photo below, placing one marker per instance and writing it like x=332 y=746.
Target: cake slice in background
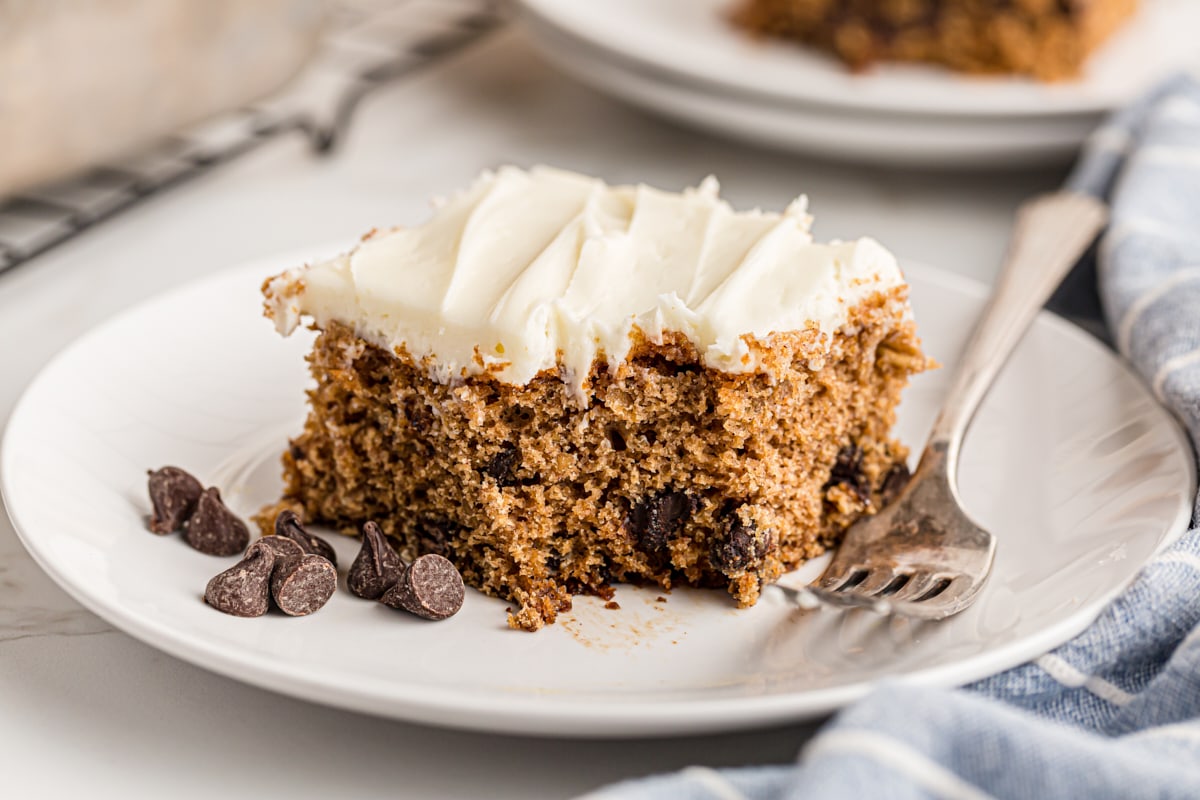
x=1047 y=39
x=559 y=385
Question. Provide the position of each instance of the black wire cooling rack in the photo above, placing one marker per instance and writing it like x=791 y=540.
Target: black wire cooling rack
x=368 y=43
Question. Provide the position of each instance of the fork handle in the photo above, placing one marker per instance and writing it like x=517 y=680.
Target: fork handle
x=1050 y=235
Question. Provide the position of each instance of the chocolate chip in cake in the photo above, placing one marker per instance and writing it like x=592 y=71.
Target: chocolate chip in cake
x=431 y=588
x=894 y=481
x=377 y=567
x=243 y=590
x=280 y=545
x=847 y=468
x=173 y=494
x=288 y=525
x=740 y=547
x=214 y=529
x=434 y=535
x=658 y=519
x=303 y=584
x=503 y=465
x=847 y=471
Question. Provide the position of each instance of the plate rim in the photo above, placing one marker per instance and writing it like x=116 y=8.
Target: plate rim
x=1035 y=140
x=547 y=14
x=527 y=713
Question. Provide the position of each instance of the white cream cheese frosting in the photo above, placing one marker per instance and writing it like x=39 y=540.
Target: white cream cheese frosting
x=529 y=270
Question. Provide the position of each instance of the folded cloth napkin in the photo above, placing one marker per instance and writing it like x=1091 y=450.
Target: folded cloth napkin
x=1115 y=712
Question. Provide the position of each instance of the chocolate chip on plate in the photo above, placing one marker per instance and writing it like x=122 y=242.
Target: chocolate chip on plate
x=303 y=584
x=288 y=524
x=280 y=545
x=377 y=567
x=214 y=529
x=431 y=588
x=174 y=494
x=243 y=590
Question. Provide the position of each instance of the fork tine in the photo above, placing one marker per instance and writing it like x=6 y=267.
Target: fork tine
x=958 y=584
x=877 y=580
x=950 y=601
x=848 y=599
x=918 y=584
x=837 y=574
x=961 y=589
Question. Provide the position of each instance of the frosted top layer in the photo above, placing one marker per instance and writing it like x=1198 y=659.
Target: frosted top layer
x=526 y=270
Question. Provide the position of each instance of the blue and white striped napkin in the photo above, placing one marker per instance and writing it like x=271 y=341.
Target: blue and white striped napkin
x=1115 y=712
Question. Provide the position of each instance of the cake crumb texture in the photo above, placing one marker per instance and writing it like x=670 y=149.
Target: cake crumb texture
x=673 y=473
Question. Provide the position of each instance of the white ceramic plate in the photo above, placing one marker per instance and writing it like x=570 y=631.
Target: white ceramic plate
x=1080 y=474
x=692 y=40
x=908 y=140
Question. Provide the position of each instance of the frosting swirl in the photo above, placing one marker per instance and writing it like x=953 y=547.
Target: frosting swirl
x=528 y=270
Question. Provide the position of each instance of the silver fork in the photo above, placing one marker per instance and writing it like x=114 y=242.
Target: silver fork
x=921 y=555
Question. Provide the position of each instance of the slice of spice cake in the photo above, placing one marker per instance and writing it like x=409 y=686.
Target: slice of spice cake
x=1048 y=39
x=559 y=384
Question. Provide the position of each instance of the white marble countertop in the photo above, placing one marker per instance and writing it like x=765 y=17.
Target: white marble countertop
x=90 y=711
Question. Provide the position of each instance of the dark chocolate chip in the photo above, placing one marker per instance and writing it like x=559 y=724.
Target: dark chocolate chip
x=658 y=519
x=430 y=588
x=280 y=545
x=847 y=468
x=740 y=546
x=303 y=584
x=288 y=524
x=847 y=471
x=174 y=494
x=894 y=481
x=214 y=529
x=503 y=465
x=243 y=590
x=377 y=567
